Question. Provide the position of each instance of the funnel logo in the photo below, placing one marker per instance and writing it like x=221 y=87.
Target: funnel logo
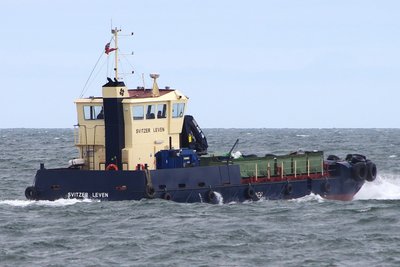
x=121 y=92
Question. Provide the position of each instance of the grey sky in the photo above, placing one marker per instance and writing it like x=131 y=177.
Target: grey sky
x=286 y=63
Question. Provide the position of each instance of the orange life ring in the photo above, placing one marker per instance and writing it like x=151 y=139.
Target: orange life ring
x=112 y=167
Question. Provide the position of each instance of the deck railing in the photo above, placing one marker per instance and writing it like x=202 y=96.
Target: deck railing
x=296 y=165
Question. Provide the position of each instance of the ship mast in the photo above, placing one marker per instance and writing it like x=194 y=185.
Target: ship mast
x=115 y=33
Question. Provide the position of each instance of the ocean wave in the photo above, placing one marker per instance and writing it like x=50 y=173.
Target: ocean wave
x=309 y=198
x=302 y=135
x=56 y=203
x=385 y=187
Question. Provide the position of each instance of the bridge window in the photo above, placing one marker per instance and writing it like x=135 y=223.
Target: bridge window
x=93 y=112
x=151 y=112
x=178 y=110
x=138 y=112
x=161 y=111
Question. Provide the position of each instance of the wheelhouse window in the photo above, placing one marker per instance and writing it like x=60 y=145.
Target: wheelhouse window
x=150 y=112
x=161 y=111
x=178 y=109
x=138 y=112
x=93 y=112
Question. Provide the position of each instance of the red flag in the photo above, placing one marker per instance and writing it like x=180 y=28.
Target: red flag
x=108 y=50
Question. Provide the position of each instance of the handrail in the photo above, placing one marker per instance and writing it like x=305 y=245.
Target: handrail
x=281 y=169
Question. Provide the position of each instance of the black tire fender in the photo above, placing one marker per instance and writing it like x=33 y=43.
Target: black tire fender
x=30 y=193
x=288 y=189
x=333 y=157
x=150 y=192
x=167 y=196
x=360 y=171
x=371 y=171
x=211 y=196
x=250 y=193
x=326 y=187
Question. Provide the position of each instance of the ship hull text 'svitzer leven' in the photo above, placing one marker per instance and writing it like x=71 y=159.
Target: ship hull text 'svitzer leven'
x=138 y=143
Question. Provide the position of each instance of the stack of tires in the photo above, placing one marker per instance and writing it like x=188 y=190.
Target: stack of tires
x=362 y=168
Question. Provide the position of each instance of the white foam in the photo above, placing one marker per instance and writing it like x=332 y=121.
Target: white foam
x=393 y=156
x=219 y=198
x=16 y=203
x=309 y=198
x=302 y=135
x=56 y=203
x=384 y=187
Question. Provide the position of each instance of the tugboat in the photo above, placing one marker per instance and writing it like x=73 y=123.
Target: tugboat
x=139 y=144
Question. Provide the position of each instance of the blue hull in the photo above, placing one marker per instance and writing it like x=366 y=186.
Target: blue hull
x=188 y=185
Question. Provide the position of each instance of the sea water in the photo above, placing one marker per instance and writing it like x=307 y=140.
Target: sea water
x=309 y=231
